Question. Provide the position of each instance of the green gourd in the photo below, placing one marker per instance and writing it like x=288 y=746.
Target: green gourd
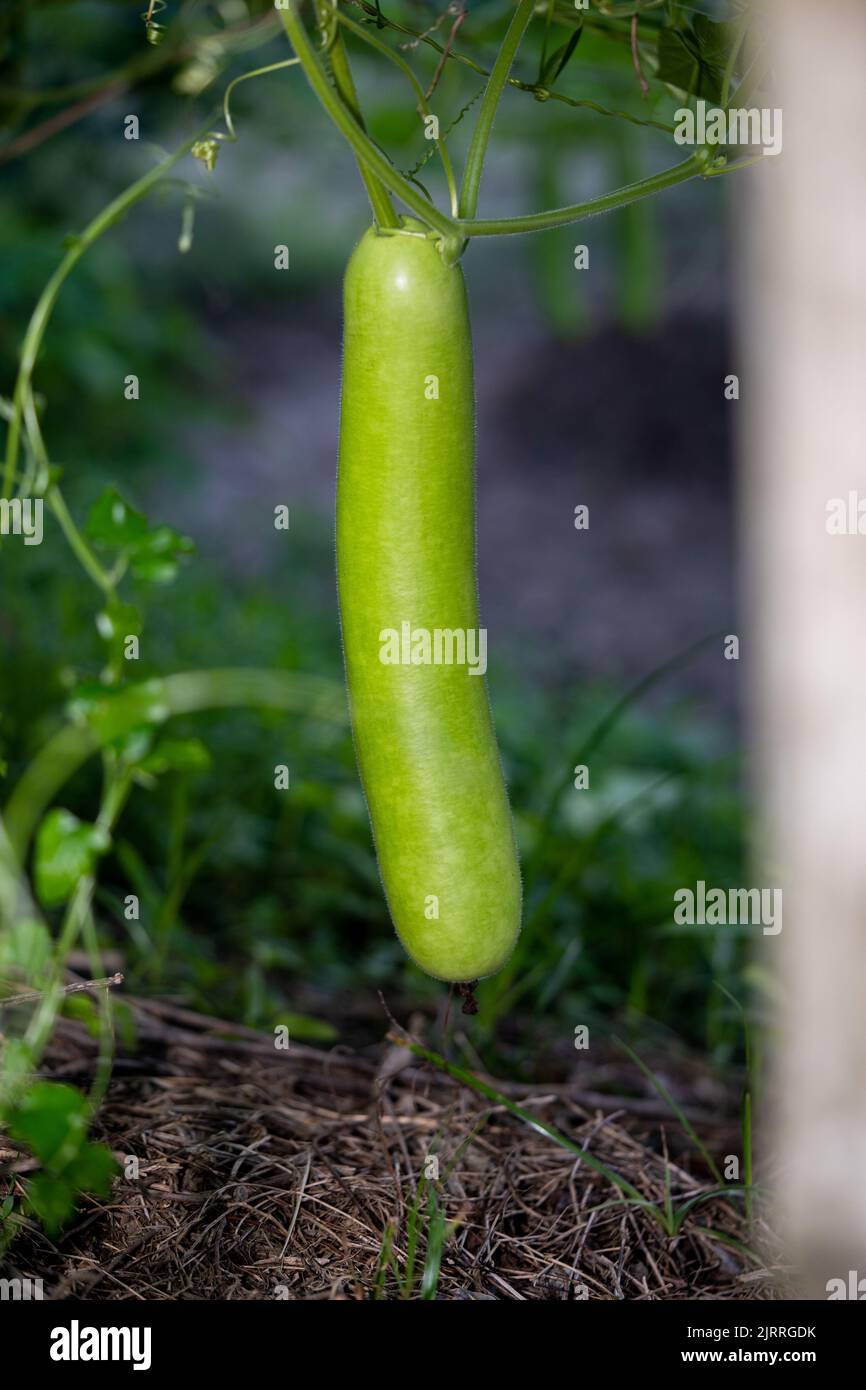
x=413 y=648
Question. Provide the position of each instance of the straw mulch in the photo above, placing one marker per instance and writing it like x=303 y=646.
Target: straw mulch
x=266 y=1174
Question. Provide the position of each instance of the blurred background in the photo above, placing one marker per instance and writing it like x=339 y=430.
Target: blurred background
x=602 y=387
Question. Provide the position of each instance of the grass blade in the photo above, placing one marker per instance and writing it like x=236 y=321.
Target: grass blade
x=468 y=1078
x=659 y=1086
x=436 y=1235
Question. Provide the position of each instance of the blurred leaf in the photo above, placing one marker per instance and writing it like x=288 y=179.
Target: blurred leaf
x=92 y=1170
x=117 y=621
x=83 y=1009
x=52 y=1121
x=52 y=1199
x=66 y=849
x=153 y=552
x=694 y=59
x=52 y=1195
x=177 y=755
x=113 y=523
x=155 y=558
x=715 y=40
x=135 y=746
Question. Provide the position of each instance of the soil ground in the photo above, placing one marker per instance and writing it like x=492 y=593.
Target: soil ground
x=267 y=1174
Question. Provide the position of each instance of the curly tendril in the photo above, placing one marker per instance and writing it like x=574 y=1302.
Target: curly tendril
x=152 y=30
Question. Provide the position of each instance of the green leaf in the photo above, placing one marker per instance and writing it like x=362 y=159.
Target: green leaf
x=153 y=552
x=119 y=620
x=133 y=747
x=556 y=63
x=66 y=850
x=155 y=558
x=177 y=755
x=51 y=1199
x=113 y=523
x=715 y=40
x=83 y=1009
x=92 y=1170
x=52 y=1121
x=115 y=623
x=694 y=59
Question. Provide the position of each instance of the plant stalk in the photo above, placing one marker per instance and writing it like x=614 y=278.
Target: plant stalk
x=338 y=60
x=367 y=153
x=691 y=168
x=484 y=124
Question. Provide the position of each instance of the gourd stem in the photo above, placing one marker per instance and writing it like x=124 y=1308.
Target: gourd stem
x=367 y=153
x=338 y=61
x=693 y=167
x=484 y=123
x=423 y=103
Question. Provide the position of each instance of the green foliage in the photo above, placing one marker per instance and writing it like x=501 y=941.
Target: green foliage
x=694 y=58
x=177 y=755
x=151 y=552
x=52 y=1121
x=552 y=66
x=66 y=851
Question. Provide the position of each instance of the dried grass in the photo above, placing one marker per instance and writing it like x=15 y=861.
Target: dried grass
x=268 y=1174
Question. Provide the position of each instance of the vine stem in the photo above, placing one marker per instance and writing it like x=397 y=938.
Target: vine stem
x=696 y=165
x=367 y=153
x=22 y=397
x=533 y=87
x=327 y=13
x=74 y=921
x=80 y=987
x=484 y=124
x=76 y=542
x=245 y=77
x=423 y=103
x=153 y=702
